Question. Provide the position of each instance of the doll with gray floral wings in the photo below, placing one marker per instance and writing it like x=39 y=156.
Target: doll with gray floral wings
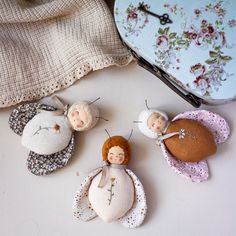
x=48 y=132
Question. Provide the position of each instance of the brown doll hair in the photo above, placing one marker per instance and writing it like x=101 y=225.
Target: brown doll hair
x=117 y=141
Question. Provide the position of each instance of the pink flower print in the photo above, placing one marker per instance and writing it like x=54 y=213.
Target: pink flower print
x=197 y=12
x=198 y=69
x=202 y=83
x=132 y=15
x=193 y=35
x=204 y=30
x=162 y=41
x=210 y=29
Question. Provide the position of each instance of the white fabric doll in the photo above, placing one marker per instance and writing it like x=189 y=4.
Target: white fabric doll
x=48 y=132
x=112 y=192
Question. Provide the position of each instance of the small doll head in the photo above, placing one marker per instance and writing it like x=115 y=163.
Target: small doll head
x=83 y=116
x=116 y=150
x=152 y=122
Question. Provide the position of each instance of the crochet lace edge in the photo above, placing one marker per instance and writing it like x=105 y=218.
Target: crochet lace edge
x=58 y=84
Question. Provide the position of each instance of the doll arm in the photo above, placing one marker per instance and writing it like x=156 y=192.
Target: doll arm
x=214 y=122
x=137 y=213
x=21 y=115
x=82 y=209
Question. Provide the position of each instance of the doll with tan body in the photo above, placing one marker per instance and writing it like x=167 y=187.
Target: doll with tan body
x=186 y=141
x=112 y=192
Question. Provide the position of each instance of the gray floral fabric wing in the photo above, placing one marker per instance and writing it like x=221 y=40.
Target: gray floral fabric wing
x=21 y=115
x=46 y=164
x=137 y=213
x=82 y=209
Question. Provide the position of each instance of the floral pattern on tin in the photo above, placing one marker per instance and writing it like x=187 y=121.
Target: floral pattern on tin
x=208 y=75
x=134 y=20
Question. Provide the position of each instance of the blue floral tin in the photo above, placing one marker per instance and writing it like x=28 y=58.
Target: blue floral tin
x=190 y=45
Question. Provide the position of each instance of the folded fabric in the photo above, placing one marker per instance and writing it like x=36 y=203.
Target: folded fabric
x=48 y=45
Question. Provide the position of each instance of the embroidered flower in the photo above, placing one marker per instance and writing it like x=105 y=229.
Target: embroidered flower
x=56 y=128
x=182 y=134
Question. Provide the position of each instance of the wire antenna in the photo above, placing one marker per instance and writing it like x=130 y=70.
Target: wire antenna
x=108 y=133
x=130 y=134
x=99 y=117
x=137 y=121
x=94 y=101
x=147 y=104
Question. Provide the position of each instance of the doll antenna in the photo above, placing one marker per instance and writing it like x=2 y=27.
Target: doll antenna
x=130 y=134
x=99 y=117
x=108 y=133
x=147 y=104
x=94 y=101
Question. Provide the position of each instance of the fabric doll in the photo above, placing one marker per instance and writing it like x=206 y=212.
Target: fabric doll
x=112 y=192
x=48 y=132
x=187 y=140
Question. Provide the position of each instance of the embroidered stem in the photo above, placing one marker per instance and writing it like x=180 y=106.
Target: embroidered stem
x=56 y=128
x=110 y=190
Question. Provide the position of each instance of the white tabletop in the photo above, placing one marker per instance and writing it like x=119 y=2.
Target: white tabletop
x=33 y=206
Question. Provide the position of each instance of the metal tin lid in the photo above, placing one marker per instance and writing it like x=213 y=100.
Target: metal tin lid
x=198 y=48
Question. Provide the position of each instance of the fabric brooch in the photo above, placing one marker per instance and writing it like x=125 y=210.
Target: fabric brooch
x=112 y=192
x=48 y=132
x=187 y=140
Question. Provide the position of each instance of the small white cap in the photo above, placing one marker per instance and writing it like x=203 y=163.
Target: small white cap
x=143 y=118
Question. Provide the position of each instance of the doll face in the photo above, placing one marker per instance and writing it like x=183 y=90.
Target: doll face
x=156 y=123
x=116 y=155
x=78 y=118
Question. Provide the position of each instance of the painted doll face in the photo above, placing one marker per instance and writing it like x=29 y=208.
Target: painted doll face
x=156 y=123
x=116 y=155
x=78 y=118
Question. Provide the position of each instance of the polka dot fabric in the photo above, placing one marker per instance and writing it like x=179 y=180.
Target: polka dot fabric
x=46 y=164
x=39 y=164
x=136 y=215
x=21 y=115
x=82 y=209
x=198 y=171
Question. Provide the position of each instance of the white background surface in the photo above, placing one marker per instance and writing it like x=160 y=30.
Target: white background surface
x=31 y=205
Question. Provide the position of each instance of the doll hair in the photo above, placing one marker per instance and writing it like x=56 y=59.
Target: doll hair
x=117 y=141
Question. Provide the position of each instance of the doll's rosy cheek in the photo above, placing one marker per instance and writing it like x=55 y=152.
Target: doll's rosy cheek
x=73 y=114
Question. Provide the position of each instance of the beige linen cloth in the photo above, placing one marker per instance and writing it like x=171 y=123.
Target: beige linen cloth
x=47 y=45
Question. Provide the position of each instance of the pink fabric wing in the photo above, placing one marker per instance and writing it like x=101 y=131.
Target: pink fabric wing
x=198 y=171
x=195 y=171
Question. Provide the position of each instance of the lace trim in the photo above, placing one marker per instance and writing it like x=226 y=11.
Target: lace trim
x=53 y=86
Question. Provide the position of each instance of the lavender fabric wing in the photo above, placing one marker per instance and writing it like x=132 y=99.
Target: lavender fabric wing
x=195 y=171
x=82 y=209
x=136 y=215
x=198 y=171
